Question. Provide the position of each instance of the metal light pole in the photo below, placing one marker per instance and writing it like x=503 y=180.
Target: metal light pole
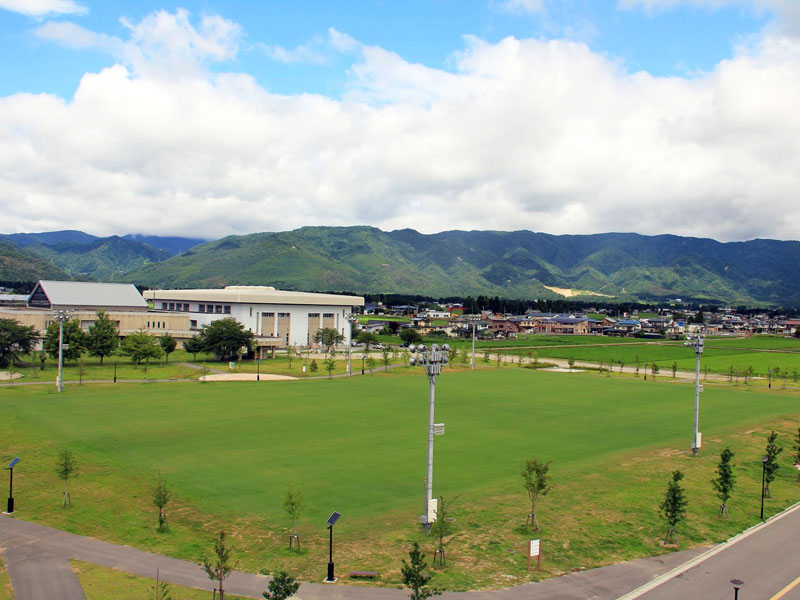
x=737 y=583
x=353 y=320
x=331 y=522
x=474 y=326
x=10 y=468
x=697 y=343
x=61 y=315
x=645 y=371
x=432 y=359
x=764 y=460
x=258 y=369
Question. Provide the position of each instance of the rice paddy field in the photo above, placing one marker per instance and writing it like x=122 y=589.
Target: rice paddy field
x=357 y=445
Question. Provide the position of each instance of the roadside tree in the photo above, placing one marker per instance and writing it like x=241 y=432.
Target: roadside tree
x=723 y=483
x=673 y=507
x=194 y=345
x=797 y=452
x=66 y=467
x=102 y=337
x=443 y=530
x=328 y=337
x=536 y=481
x=771 y=466
x=226 y=338
x=160 y=495
x=15 y=339
x=410 y=336
x=141 y=347
x=74 y=340
x=293 y=504
x=219 y=567
x=168 y=344
x=367 y=338
x=415 y=577
x=281 y=586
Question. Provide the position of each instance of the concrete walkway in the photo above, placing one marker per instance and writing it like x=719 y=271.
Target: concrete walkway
x=37 y=559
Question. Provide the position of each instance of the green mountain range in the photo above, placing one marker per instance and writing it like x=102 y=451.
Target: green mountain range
x=606 y=267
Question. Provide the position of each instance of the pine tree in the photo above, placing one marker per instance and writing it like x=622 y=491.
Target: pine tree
x=219 y=567
x=723 y=484
x=674 y=506
x=281 y=587
x=414 y=575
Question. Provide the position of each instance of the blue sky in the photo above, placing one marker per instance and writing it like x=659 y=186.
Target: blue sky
x=566 y=116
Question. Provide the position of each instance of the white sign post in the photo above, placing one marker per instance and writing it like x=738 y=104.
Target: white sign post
x=533 y=550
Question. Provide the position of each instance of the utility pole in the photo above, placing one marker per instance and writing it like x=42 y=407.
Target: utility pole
x=432 y=359
x=474 y=326
x=697 y=343
x=352 y=319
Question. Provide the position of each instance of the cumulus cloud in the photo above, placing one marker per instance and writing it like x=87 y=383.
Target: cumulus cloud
x=41 y=8
x=519 y=134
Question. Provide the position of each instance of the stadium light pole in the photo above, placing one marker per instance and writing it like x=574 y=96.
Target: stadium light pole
x=61 y=315
x=432 y=359
x=353 y=320
x=697 y=343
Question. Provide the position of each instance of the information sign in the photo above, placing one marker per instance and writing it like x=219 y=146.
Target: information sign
x=534 y=551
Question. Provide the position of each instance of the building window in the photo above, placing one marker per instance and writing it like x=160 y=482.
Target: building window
x=186 y=308
x=283 y=315
x=228 y=310
x=148 y=324
x=251 y=311
x=269 y=314
x=218 y=309
x=163 y=306
x=313 y=315
x=193 y=324
x=172 y=306
x=201 y=308
x=327 y=315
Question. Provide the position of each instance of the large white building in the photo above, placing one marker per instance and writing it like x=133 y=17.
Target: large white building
x=277 y=318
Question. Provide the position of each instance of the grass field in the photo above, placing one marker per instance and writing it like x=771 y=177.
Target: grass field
x=5 y=582
x=102 y=583
x=358 y=446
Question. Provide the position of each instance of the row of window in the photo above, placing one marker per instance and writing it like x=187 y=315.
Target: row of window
x=316 y=315
x=156 y=325
x=215 y=308
x=173 y=306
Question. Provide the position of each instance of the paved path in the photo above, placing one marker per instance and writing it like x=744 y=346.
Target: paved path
x=37 y=559
x=764 y=558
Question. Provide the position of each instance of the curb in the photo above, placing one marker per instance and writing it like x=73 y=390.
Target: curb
x=641 y=590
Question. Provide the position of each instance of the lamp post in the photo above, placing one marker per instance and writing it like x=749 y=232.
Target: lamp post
x=432 y=359
x=474 y=326
x=353 y=320
x=363 y=358
x=331 y=522
x=115 y=372
x=645 y=371
x=258 y=369
x=697 y=343
x=61 y=315
x=770 y=379
x=764 y=460
x=737 y=583
x=10 y=469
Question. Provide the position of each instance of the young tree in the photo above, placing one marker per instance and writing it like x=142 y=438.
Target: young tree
x=410 y=336
x=385 y=357
x=160 y=589
x=313 y=367
x=194 y=345
x=674 y=369
x=443 y=530
x=74 y=340
x=219 y=567
x=160 y=494
x=290 y=350
x=15 y=339
x=486 y=356
x=328 y=337
x=42 y=359
x=797 y=452
x=330 y=365
x=536 y=481
x=140 y=346
x=281 y=586
x=371 y=365
x=673 y=507
x=771 y=466
x=293 y=505
x=367 y=338
x=102 y=337
x=415 y=577
x=723 y=484
x=571 y=363
x=168 y=344
x=66 y=467
x=655 y=370
x=226 y=338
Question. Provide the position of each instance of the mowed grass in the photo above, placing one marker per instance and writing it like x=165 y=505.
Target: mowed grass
x=5 y=582
x=358 y=446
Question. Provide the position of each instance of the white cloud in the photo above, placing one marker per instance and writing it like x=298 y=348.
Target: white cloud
x=41 y=8
x=522 y=134
x=78 y=38
x=523 y=6
x=315 y=51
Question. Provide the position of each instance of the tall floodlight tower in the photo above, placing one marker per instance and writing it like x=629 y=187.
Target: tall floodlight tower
x=697 y=343
x=61 y=315
x=474 y=326
x=432 y=359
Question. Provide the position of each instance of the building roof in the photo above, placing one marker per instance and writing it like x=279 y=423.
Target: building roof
x=88 y=293
x=254 y=294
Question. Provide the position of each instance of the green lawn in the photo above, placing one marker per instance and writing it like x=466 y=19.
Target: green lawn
x=5 y=582
x=357 y=445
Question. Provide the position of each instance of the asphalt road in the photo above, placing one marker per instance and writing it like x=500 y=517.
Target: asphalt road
x=765 y=559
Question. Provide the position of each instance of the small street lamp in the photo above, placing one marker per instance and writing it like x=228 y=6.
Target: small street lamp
x=432 y=359
x=331 y=522
x=645 y=371
x=764 y=460
x=115 y=372
x=10 y=469
x=61 y=315
x=353 y=320
x=258 y=369
x=737 y=583
x=770 y=379
x=697 y=343
x=474 y=327
x=363 y=358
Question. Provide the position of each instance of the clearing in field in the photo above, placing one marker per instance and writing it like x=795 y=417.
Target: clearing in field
x=229 y=450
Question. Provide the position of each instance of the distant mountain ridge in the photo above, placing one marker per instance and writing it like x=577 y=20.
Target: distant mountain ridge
x=607 y=267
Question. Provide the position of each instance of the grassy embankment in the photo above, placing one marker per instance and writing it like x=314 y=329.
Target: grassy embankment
x=358 y=446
